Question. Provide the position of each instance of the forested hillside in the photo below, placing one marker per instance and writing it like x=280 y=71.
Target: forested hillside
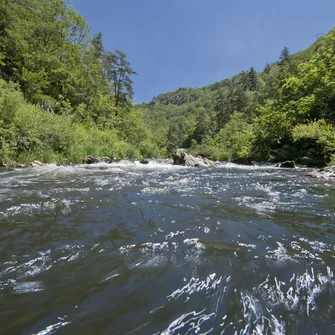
x=285 y=112
x=64 y=97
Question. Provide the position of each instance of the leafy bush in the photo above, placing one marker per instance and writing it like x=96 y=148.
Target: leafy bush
x=149 y=149
x=236 y=137
x=209 y=148
x=28 y=133
x=316 y=141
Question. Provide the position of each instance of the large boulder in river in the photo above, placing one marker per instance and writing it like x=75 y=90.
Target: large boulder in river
x=94 y=160
x=35 y=163
x=287 y=164
x=182 y=157
x=91 y=160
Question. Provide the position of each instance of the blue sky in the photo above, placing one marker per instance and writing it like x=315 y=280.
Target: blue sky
x=193 y=43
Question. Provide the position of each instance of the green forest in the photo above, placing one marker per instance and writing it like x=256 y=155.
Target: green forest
x=64 y=97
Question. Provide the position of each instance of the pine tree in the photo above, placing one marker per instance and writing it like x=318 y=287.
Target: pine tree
x=222 y=109
x=118 y=72
x=267 y=68
x=244 y=80
x=204 y=126
x=238 y=99
x=98 y=45
x=284 y=56
x=286 y=64
x=252 y=79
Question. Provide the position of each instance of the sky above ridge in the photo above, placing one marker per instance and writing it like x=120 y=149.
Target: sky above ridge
x=193 y=43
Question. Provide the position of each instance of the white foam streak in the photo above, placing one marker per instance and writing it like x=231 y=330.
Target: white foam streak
x=52 y=328
x=304 y=287
x=280 y=254
x=253 y=315
x=28 y=287
x=272 y=294
x=194 y=242
x=190 y=321
x=196 y=285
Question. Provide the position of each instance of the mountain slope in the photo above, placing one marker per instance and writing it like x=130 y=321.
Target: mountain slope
x=207 y=118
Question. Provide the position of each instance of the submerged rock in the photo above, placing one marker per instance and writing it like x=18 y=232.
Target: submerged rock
x=216 y=245
x=144 y=161
x=287 y=164
x=182 y=157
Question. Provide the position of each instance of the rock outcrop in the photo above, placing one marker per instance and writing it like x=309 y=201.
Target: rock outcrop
x=287 y=164
x=182 y=157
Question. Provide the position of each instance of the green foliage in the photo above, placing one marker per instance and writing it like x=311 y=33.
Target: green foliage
x=176 y=135
x=222 y=108
x=132 y=127
x=272 y=131
x=332 y=160
x=118 y=71
x=28 y=133
x=205 y=126
x=210 y=148
x=236 y=137
x=305 y=97
x=45 y=46
x=45 y=42
x=316 y=140
x=103 y=112
x=72 y=98
x=252 y=80
x=10 y=100
x=270 y=108
x=149 y=149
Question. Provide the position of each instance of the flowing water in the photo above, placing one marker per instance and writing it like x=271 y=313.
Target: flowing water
x=127 y=248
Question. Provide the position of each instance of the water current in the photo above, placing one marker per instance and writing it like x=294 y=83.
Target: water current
x=127 y=248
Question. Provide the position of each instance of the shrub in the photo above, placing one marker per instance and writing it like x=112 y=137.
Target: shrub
x=315 y=141
x=28 y=133
x=236 y=137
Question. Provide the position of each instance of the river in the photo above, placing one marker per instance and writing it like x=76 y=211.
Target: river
x=127 y=248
